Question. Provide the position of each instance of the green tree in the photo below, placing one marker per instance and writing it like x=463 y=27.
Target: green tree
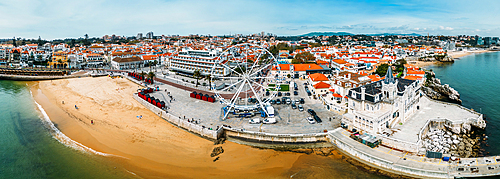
x=151 y=75
x=155 y=63
x=209 y=79
x=400 y=65
x=305 y=57
x=150 y=63
x=197 y=75
x=382 y=69
x=14 y=42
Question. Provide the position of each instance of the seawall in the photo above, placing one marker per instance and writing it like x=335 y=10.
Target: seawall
x=260 y=137
x=36 y=78
x=179 y=122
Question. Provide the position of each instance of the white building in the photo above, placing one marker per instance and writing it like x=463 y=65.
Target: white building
x=127 y=63
x=188 y=61
x=381 y=105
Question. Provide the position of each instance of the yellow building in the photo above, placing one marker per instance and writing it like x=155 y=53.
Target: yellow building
x=59 y=60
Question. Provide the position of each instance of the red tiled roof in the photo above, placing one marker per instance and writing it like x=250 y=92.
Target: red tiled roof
x=415 y=72
x=411 y=77
x=321 y=85
x=318 y=77
x=337 y=95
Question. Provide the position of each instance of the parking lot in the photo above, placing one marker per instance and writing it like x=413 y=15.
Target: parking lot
x=289 y=121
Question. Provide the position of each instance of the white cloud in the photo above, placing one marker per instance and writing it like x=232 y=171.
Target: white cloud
x=445 y=28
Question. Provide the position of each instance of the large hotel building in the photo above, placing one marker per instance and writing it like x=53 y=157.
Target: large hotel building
x=191 y=60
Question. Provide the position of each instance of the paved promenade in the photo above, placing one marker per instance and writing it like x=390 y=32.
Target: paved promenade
x=410 y=164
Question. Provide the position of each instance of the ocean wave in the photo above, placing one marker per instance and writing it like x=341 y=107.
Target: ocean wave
x=65 y=140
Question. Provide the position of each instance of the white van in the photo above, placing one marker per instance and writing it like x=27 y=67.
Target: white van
x=270 y=111
x=270 y=120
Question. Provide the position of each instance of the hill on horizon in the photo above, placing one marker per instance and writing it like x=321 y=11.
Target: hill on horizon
x=347 y=33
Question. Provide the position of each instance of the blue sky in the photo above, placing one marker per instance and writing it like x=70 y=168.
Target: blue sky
x=52 y=19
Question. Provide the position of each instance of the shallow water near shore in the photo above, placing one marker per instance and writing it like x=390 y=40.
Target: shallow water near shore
x=475 y=77
x=28 y=150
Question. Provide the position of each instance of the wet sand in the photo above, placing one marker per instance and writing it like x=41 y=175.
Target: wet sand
x=152 y=147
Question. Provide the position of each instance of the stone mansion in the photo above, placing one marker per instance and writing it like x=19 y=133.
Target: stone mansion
x=379 y=106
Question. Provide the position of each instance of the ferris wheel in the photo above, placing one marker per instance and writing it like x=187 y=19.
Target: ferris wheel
x=242 y=79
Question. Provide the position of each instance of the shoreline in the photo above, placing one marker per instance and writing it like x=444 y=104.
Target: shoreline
x=454 y=55
x=460 y=54
x=145 y=161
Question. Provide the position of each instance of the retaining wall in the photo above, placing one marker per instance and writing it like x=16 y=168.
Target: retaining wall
x=383 y=164
x=35 y=78
x=194 y=128
x=275 y=138
x=399 y=144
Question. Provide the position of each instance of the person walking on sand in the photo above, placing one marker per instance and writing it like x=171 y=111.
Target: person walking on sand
x=76 y=107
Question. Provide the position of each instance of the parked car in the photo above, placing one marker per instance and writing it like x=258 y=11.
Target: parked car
x=270 y=120
x=309 y=93
x=278 y=102
x=295 y=93
x=288 y=101
x=295 y=88
x=283 y=100
x=297 y=101
x=302 y=101
x=267 y=93
x=273 y=101
x=318 y=120
x=254 y=121
x=301 y=108
x=310 y=120
x=287 y=94
x=279 y=94
x=294 y=106
x=311 y=112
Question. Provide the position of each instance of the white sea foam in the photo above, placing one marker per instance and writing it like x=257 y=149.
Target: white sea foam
x=65 y=140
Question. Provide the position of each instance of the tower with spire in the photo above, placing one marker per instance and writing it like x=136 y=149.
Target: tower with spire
x=389 y=86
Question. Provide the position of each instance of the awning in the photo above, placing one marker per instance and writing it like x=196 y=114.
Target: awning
x=337 y=95
x=332 y=90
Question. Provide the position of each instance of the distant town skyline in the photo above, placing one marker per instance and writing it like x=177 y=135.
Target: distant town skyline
x=68 y=19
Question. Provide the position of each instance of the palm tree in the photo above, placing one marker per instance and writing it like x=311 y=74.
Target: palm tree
x=151 y=75
x=197 y=75
x=208 y=77
x=150 y=64
x=155 y=63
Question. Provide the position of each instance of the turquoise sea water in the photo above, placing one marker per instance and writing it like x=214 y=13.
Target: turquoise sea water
x=477 y=79
x=28 y=150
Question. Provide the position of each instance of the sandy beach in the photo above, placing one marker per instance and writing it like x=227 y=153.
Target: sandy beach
x=152 y=147
x=459 y=54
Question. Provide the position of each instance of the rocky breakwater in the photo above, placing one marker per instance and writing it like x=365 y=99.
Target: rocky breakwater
x=456 y=145
x=434 y=89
